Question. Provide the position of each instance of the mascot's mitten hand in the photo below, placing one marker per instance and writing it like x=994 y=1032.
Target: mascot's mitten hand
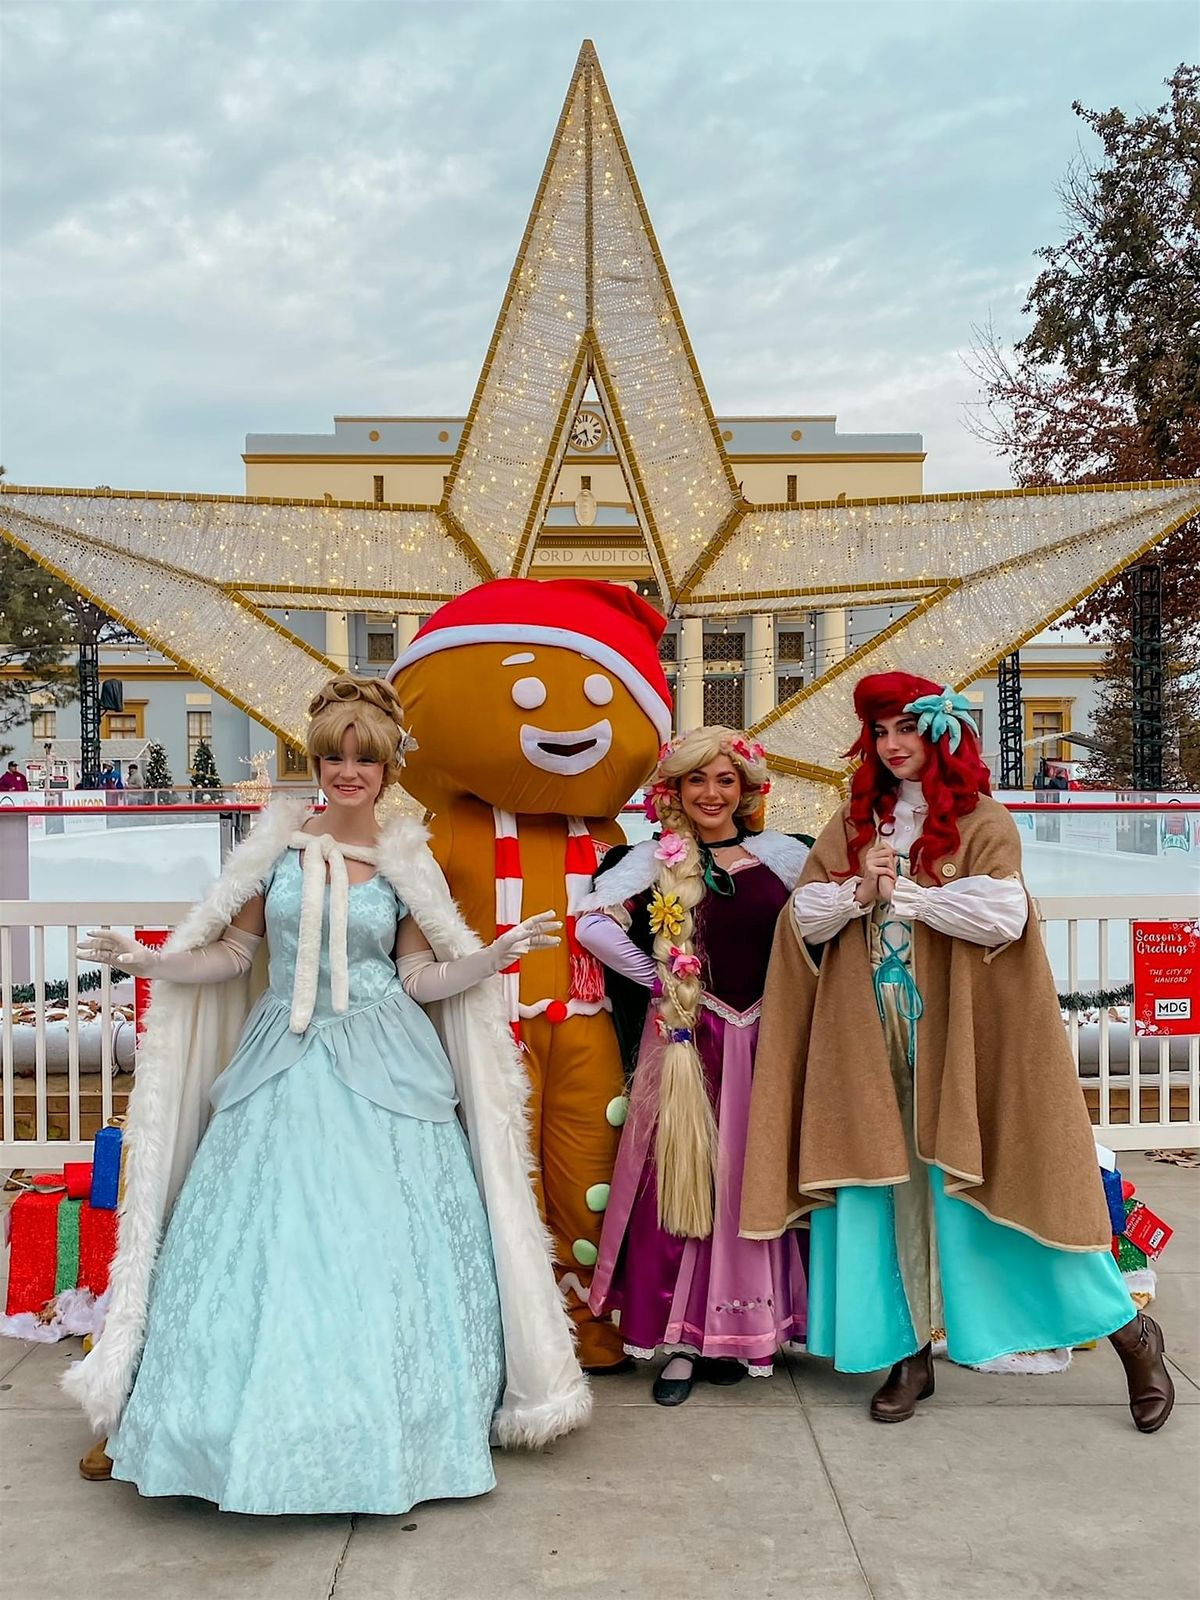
x=426 y=980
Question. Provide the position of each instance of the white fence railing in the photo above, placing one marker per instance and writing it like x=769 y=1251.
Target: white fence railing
x=59 y=1067
x=1145 y=1092
x=62 y=1071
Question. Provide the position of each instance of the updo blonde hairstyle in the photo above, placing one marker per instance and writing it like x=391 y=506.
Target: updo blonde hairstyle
x=368 y=705
x=687 y=1131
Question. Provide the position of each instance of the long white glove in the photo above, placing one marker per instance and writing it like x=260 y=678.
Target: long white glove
x=425 y=979
x=233 y=953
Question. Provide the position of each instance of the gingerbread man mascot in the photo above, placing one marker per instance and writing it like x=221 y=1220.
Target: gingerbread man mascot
x=538 y=709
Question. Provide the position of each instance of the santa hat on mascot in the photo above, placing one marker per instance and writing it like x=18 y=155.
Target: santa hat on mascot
x=603 y=622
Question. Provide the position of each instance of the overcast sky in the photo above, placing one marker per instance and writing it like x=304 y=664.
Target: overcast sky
x=248 y=216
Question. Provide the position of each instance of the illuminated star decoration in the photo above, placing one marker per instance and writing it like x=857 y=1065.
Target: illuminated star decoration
x=589 y=301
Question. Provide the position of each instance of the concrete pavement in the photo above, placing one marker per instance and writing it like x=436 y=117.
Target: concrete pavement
x=1001 y=1488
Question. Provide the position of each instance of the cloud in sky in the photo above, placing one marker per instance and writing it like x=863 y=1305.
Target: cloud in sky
x=247 y=216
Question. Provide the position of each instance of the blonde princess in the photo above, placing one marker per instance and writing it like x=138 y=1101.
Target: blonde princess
x=689 y=917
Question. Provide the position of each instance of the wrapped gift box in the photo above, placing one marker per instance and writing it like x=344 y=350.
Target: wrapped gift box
x=56 y=1243
x=106 y=1167
x=1114 y=1186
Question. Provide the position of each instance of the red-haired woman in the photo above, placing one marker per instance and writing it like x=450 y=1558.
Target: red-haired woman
x=914 y=1097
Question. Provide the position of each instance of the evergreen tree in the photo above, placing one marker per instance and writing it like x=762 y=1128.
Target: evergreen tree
x=205 y=776
x=157 y=773
x=1105 y=387
x=1111 y=767
x=35 y=640
x=42 y=624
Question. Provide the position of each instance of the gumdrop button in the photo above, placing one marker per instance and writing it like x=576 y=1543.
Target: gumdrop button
x=616 y=1111
x=585 y=1252
x=597 y=1197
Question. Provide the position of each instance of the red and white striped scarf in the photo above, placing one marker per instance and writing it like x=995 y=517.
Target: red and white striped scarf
x=587 y=994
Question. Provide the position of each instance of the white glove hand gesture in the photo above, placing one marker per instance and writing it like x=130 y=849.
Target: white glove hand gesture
x=112 y=949
x=535 y=933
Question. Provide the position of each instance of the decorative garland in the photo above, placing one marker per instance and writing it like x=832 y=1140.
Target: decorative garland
x=1098 y=1000
x=25 y=994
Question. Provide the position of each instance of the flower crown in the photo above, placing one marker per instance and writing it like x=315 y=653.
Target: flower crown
x=748 y=751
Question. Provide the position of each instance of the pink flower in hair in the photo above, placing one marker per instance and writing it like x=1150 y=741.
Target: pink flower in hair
x=749 y=750
x=764 y=787
x=683 y=965
x=671 y=848
x=655 y=793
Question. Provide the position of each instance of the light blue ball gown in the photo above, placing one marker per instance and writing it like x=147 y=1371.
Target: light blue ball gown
x=324 y=1327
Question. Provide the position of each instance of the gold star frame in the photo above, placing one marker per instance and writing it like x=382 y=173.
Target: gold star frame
x=589 y=301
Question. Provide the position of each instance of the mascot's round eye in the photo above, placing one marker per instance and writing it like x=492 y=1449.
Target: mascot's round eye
x=529 y=693
x=598 y=688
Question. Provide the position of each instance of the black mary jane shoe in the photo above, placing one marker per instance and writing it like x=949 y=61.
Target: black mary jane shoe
x=673 y=1391
x=721 y=1374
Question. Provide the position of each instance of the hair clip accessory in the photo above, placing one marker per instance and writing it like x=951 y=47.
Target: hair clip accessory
x=942 y=716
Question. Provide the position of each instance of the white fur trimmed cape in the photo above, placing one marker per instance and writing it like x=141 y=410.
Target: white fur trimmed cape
x=191 y=1034
x=639 y=868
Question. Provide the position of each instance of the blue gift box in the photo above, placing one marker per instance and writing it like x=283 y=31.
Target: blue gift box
x=106 y=1169
x=1112 y=1193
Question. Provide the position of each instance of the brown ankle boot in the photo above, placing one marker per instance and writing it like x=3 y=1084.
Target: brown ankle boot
x=909 y=1380
x=96 y=1466
x=1140 y=1345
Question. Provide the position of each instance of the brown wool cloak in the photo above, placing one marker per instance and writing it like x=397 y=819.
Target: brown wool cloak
x=998 y=1103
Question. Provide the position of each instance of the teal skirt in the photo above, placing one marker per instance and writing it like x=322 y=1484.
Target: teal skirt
x=1002 y=1291
x=324 y=1327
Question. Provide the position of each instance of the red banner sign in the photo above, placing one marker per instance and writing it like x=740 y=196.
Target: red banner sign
x=1166 y=978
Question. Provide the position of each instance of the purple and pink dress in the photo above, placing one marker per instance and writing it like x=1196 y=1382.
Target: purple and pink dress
x=722 y=1297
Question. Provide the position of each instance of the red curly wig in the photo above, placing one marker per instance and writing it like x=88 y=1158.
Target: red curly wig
x=952 y=781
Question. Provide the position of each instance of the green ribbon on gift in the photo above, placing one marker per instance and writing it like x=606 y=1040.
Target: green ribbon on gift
x=66 y=1272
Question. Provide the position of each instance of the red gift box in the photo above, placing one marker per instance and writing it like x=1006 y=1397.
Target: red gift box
x=35 y=1272
x=77 y=1175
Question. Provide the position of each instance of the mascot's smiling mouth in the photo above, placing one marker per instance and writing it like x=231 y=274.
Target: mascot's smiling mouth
x=568 y=753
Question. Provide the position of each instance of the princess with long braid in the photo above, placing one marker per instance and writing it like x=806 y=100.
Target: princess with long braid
x=685 y=921
x=915 y=1103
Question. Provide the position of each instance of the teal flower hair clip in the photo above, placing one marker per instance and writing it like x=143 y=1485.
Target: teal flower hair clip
x=942 y=715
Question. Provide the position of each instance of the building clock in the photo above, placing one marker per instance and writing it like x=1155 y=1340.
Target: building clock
x=588 y=432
